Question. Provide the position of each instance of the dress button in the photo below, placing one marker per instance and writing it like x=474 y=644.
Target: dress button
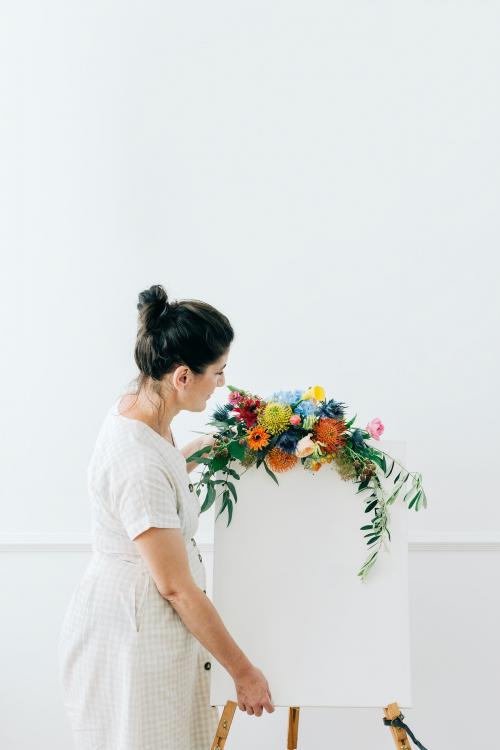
x=191 y=487
x=200 y=558
x=204 y=591
x=207 y=665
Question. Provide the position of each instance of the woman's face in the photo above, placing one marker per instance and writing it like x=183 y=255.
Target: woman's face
x=198 y=388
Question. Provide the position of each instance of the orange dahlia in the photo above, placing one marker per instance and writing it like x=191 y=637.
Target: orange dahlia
x=330 y=432
x=278 y=460
x=257 y=438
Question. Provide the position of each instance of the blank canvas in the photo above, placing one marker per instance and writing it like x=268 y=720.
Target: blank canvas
x=286 y=586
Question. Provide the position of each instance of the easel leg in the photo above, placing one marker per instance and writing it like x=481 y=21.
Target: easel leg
x=392 y=711
x=293 y=727
x=224 y=726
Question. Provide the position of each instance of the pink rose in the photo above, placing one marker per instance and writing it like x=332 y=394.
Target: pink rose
x=234 y=397
x=295 y=419
x=375 y=428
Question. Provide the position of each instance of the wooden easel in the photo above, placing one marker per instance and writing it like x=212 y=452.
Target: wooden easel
x=391 y=712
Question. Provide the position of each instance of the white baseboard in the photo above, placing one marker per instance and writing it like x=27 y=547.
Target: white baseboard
x=68 y=541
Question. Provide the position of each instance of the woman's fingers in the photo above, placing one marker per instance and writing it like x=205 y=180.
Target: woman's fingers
x=258 y=709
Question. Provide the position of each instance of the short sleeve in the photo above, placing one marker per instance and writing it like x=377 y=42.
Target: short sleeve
x=145 y=498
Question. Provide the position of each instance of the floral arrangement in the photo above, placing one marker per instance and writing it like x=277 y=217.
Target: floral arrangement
x=295 y=426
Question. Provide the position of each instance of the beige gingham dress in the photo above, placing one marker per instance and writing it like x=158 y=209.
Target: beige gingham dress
x=133 y=676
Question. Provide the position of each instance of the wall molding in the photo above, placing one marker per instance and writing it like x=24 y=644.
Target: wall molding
x=74 y=541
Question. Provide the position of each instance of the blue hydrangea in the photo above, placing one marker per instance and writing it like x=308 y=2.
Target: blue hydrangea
x=285 y=397
x=304 y=409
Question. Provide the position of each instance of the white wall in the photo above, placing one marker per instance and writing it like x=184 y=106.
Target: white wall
x=327 y=174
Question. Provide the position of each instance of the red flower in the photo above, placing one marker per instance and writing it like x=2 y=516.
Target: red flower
x=247 y=411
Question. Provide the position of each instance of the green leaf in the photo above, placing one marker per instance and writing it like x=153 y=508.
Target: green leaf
x=271 y=474
x=225 y=502
x=350 y=422
x=237 y=450
x=363 y=528
x=219 y=462
x=209 y=498
x=368 y=564
x=415 y=499
x=370 y=506
x=201 y=460
x=199 y=454
x=222 y=425
x=377 y=459
x=407 y=494
x=233 y=490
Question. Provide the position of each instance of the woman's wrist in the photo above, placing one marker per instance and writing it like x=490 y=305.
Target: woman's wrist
x=240 y=667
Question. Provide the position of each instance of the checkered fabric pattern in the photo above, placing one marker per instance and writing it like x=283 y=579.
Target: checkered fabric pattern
x=133 y=676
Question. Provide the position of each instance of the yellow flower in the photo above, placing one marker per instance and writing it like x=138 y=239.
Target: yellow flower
x=275 y=417
x=315 y=392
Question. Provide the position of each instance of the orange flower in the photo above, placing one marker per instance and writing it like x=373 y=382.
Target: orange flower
x=330 y=432
x=278 y=460
x=257 y=438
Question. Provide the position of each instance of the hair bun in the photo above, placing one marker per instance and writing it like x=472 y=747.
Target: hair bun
x=153 y=306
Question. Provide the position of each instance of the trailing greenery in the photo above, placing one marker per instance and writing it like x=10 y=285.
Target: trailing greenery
x=280 y=432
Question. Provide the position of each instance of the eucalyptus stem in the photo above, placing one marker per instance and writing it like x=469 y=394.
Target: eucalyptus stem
x=410 y=473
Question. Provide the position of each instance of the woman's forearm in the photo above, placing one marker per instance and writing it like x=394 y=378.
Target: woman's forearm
x=202 y=619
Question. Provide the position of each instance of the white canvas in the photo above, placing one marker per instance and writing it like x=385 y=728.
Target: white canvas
x=286 y=586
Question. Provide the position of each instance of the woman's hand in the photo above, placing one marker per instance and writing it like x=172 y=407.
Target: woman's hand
x=206 y=441
x=253 y=694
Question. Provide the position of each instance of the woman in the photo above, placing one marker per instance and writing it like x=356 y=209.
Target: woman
x=135 y=643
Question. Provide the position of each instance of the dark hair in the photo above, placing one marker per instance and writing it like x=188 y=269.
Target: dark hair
x=186 y=331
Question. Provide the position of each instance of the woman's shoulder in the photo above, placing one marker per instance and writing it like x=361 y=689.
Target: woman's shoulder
x=125 y=456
